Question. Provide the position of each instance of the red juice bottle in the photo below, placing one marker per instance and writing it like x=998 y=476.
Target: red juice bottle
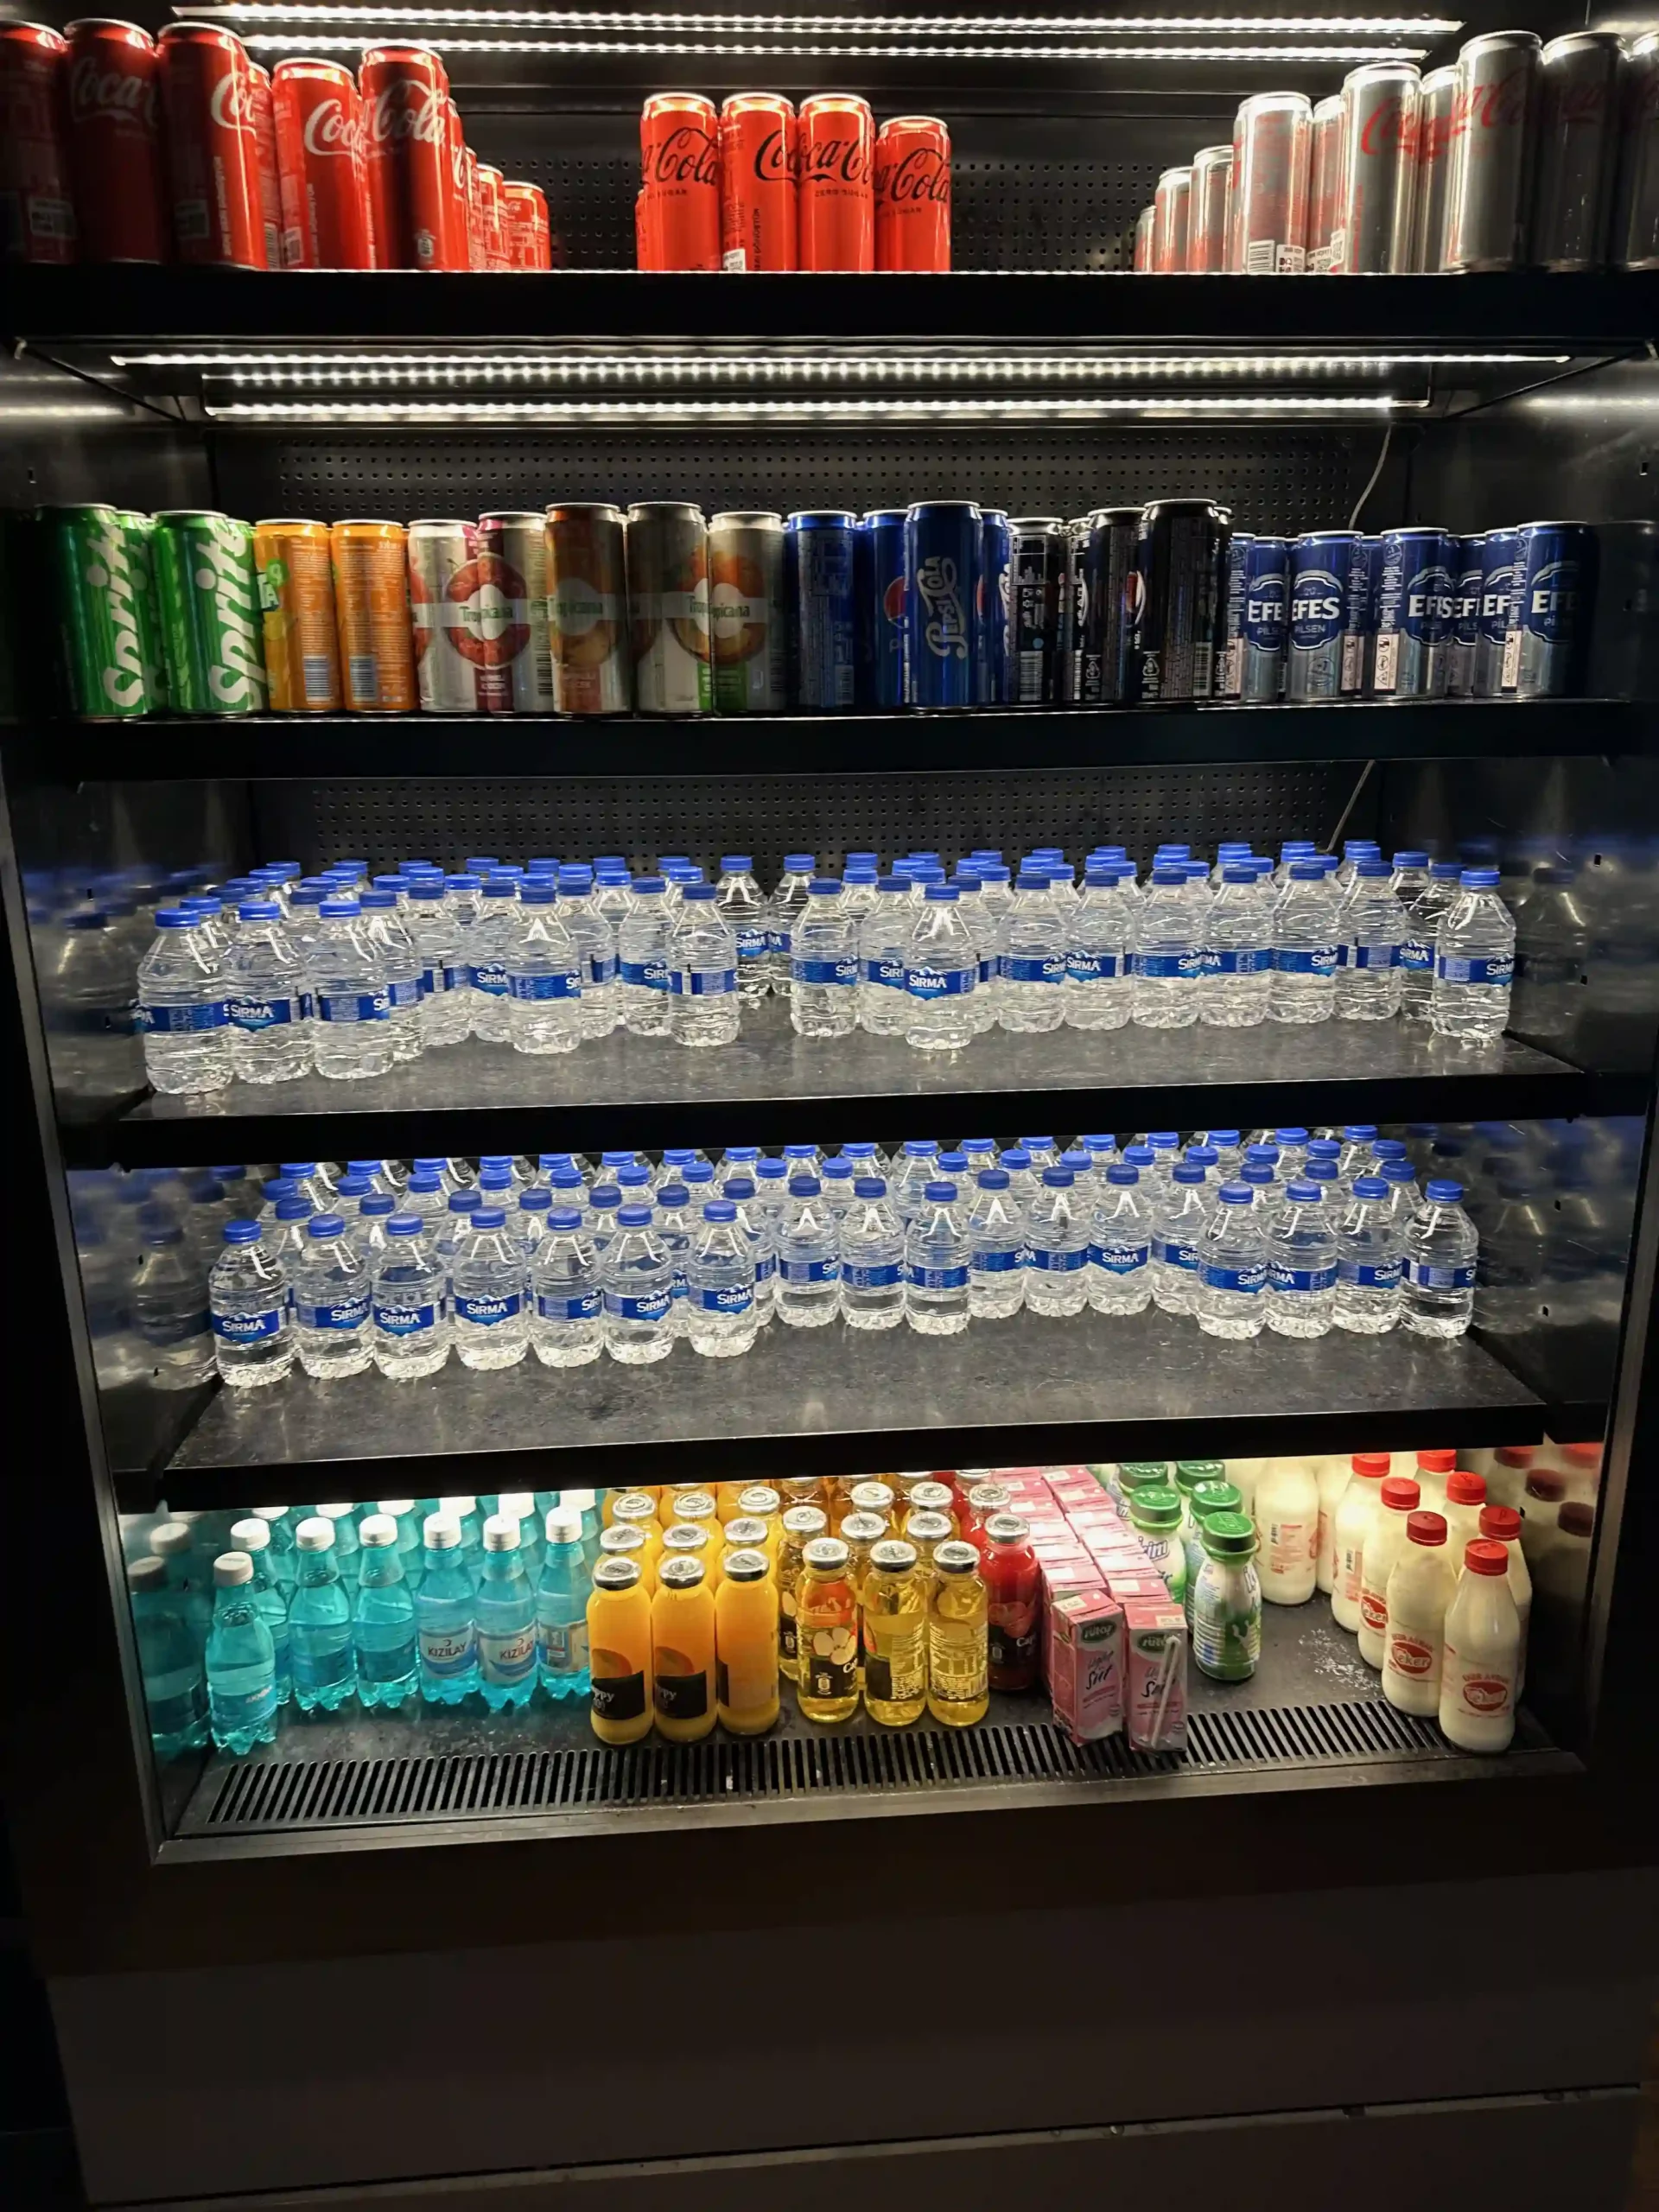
x=1013 y=1589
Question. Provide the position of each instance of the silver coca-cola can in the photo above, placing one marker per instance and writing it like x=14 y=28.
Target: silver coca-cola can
x=1208 y=206
x=1143 y=223
x=1490 y=202
x=1324 y=185
x=1273 y=138
x=1636 y=206
x=1170 y=203
x=1580 y=78
x=1437 y=107
x=1379 y=104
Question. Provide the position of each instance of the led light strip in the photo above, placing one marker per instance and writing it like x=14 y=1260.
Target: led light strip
x=335 y=42
x=644 y=413
x=279 y=11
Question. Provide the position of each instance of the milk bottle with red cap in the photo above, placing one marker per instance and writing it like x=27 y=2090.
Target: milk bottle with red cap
x=1480 y=1674
x=1540 y=1507
x=1501 y=1524
x=1287 y=1519
x=1432 y=1468
x=1334 y=1471
x=1384 y=1541
x=1465 y=1495
x=1355 y=1517
x=1420 y=1590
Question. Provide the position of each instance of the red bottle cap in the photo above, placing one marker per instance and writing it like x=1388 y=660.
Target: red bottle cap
x=1482 y=1558
x=1501 y=1522
x=1426 y=1527
x=1400 y=1492
x=1437 y=1463
x=1547 y=1486
x=1373 y=1466
x=1464 y=1488
x=1577 y=1519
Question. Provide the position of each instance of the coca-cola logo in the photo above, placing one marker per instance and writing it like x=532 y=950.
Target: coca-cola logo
x=231 y=104
x=772 y=161
x=329 y=130
x=1579 y=106
x=1388 y=125
x=1500 y=105
x=923 y=174
x=687 y=156
x=1434 y=134
x=405 y=108
x=827 y=160
x=97 y=95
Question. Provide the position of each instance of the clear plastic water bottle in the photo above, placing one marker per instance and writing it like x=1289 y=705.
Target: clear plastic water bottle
x=384 y=1632
x=1228 y=1299
x=241 y=1661
x=644 y=978
x=319 y=1623
x=385 y=926
x=883 y=932
x=253 y=1537
x=612 y=896
x=721 y=1317
x=438 y=944
x=1410 y=877
x=941 y=975
x=783 y=910
x=1422 y=930
x=595 y=940
x=455 y=1221
x=996 y=1249
x=914 y=1171
x=505 y=1612
x=1306 y=943
x=824 y=964
x=743 y=908
x=1371 y=1267
x=1120 y=1244
x=566 y=1305
x=486 y=1293
x=1058 y=1232
x=938 y=1264
x=809 y=1253
x=444 y=1604
x=1167 y=964
x=1302 y=1248
x=247 y=1296
x=350 y=994
x=1474 y=964
x=637 y=1281
x=1371 y=923
x=168 y=1302
x=331 y=1288
x=1238 y=952
x=411 y=1308
x=170 y=1662
x=543 y=968
x=267 y=997
x=704 y=967
x=487 y=941
x=181 y=1010
x=872 y=1254
x=1180 y=1216
x=1032 y=965
x=677 y=1226
x=1441 y=1250
x=1404 y=1196
x=562 y=1591
x=1097 y=982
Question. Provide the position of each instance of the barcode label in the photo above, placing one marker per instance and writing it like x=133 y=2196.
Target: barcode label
x=365 y=679
x=189 y=220
x=292 y=247
x=1353 y=663
x=318 y=672
x=51 y=219
x=544 y=675
x=1386 y=675
x=1293 y=260
x=1258 y=258
x=1203 y=670
x=1511 y=674
x=735 y=258
x=1031 y=677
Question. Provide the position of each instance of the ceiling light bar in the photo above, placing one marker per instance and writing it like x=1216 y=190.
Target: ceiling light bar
x=335 y=42
x=788 y=413
x=280 y=11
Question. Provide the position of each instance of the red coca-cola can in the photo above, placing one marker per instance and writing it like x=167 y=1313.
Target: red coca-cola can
x=757 y=182
x=1207 y=210
x=465 y=249
x=490 y=181
x=837 y=182
x=1273 y=138
x=647 y=248
x=524 y=225
x=912 y=194
x=1437 y=102
x=320 y=163
x=405 y=144
x=1379 y=168
x=1492 y=130
x=1636 y=204
x=1323 y=186
x=37 y=209
x=679 y=156
x=1143 y=223
x=1172 y=203
x=270 y=186
x=213 y=151
x=115 y=141
x=1580 y=80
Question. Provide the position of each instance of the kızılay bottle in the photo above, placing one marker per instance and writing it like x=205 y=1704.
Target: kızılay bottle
x=382 y=1619
x=241 y=1660
x=506 y=1613
x=446 y=1634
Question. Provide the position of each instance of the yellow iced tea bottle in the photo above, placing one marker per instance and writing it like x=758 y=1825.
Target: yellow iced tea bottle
x=743 y=1536
x=839 y=1502
x=686 y=1540
x=760 y=1501
x=801 y=1524
x=682 y=1652
x=895 y=1636
x=803 y=1490
x=827 y=1622
x=927 y=1531
x=958 y=1638
x=872 y=1497
x=745 y=1643
x=936 y=1497
x=859 y=1531
x=635 y=1510
x=618 y=1542
x=619 y=1651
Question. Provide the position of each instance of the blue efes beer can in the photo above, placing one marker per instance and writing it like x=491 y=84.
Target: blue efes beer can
x=1359 y=616
x=941 y=581
x=878 y=570
x=818 y=572
x=1556 y=581
x=1230 y=660
x=1413 y=614
x=1266 y=614
x=1320 y=563
x=1500 y=576
x=992 y=611
x=1465 y=617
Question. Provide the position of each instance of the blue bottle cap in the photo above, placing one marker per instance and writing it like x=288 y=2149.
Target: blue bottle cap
x=604 y=1195
x=696 y=891
x=426 y=888
x=1371 y=868
x=489 y=1217
x=241 y=1232
x=1411 y=860
x=634 y=1218
x=1306 y=1194
x=404 y=1224
x=1263 y=1155
x=838 y=1170
x=464 y=1201
x=1444 y=1193
x=953 y=1163
x=1444 y=871
x=354 y=1186
x=940 y=1194
x=338 y=910
x=293 y=1209
x=500 y=887
x=632 y=1177
x=804 y=1186
x=941 y=894
x=252 y=910
x=325 y=1224
x=1306 y=872
x=564 y=1218
x=1479 y=879
x=671 y=1195
x=1188 y=1173
x=534 y=1201
x=1016 y=1158
x=174 y=918
x=772 y=1171
x=648 y=886
x=1369 y=1187
x=869 y=1186
x=739 y=1187
x=1323 y=1148
x=538 y=891
x=799 y=864
x=424 y=1181
x=1058 y=1179
x=1398 y=1170
x=376 y=1203
x=1202 y=1155
x=720 y=1209
x=1235 y=1194
x=737 y=864
x=993 y=1178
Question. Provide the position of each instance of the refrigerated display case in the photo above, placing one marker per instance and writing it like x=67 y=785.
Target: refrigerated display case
x=445 y=1950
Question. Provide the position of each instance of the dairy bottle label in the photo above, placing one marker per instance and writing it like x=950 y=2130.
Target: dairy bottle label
x=1019 y=967
x=1282 y=1276
x=1484 y=1692
x=1316 y=960
x=887 y=971
x=449 y=1650
x=927 y=983
x=1457 y=968
x=1428 y=1274
x=1290 y=1545
x=353 y=1005
x=723 y=1298
x=1417 y=954
x=644 y=975
x=708 y=982
x=649 y=1305
x=490 y=976
x=537 y=988
x=936 y=1278
x=406 y=1320
x=564 y=1646
x=248 y=1328
x=1239 y=960
x=1119 y=1258
x=485 y=1312
x=1049 y=1261
x=879 y=1275
x=809 y=1270
x=1372 y=1274
x=997 y=1263
x=335 y=1314
x=181 y=1020
x=1375 y=955
x=1373 y=1610
x=567 y=1306
x=841 y=971
x=1092 y=967
x=619 y=1697
x=1247 y=1279
x=1411 y=1656
x=264 y=1013
x=509 y=1657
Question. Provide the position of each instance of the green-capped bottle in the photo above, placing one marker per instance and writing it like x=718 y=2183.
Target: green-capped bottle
x=212 y=626
x=96 y=599
x=1227 y=1600
x=1155 y=1513
x=1203 y=1499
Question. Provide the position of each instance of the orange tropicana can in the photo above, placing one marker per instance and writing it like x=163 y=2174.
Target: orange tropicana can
x=371 y=595
x=296 y=600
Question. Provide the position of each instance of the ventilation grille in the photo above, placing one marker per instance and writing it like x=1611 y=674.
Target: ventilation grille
x=303 y=1792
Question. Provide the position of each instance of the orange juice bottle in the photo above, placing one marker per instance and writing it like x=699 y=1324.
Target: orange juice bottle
x=615 y=1497
x=801 y=1524
x=619 y=1542
x=827 y=1616
x=936 y=1497
x=745 y=1643
x=619 y=1652
x=686 y=1540
x=726 y=1497
x=743 y=1536
x=682 y=1652
x=668 y=1497
x=635 y=1510
x=697 y=1506
x=760 y=1501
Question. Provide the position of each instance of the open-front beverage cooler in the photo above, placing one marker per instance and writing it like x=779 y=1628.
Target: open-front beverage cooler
x=638 y=643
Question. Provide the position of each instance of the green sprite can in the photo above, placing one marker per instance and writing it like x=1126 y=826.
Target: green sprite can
x=100 y=637
x=140 y=533
x=211 y=627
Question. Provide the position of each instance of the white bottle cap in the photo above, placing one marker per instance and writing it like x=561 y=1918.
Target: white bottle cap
x=379 y=1528
x=249 y=1535
x=336 y=1512
x=315 y=1536
x=519 y=1502
x=172 y=1537
x=583 y=1501
x=441 y=1532
x=272 y=1512
x=231 y=1568
x=395 y=1505
x=146 y=1573
x=458 y=1508
x=563 y=1527
x=500 y=1533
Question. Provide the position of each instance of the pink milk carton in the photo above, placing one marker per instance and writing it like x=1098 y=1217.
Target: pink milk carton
x=1085 y=1665
x=1155 y=1695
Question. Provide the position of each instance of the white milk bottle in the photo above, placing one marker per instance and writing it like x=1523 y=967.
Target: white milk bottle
x=1501 y=1524
x=1465 y=1498
x=1420 y=1590
x=1333 y=1470
x=1432 y=1468
x=1384 y=1541
x=1287 y=1518
x=1245 y=1475
x=1481 y=1673
x=1351 y=1529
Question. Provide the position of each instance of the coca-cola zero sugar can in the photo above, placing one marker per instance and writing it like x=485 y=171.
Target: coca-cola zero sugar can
x=490 y=181
x=1437 y=104
x=680 y=168
x=757 y=182
x=1635 y=207
x=837 y=182
x=525 y=227
x=1489 y=197
x=1580 y=81
x=115 y=141
x=207 y=99
x=1272 y=142
x=1143 y=223
x=1207 y=209
x=912 y=194
x=1171 y=204
x=320 y=162
x=1324 y=186
x=471 y=247
x=264 y=141
x=405 y=134
x=37 y=210
x=1379 y=138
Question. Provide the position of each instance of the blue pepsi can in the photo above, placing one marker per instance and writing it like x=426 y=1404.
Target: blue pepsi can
x=879 y=568
x=1229 y=661
x=1267 y=614
x=1557 y=583
x=1320 y=561
x=1359 y=616
x=1413 y=613
x=1500 y=577
x=941 y=581
x=818 y=571
x=1465 y=617
x=991 y=606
